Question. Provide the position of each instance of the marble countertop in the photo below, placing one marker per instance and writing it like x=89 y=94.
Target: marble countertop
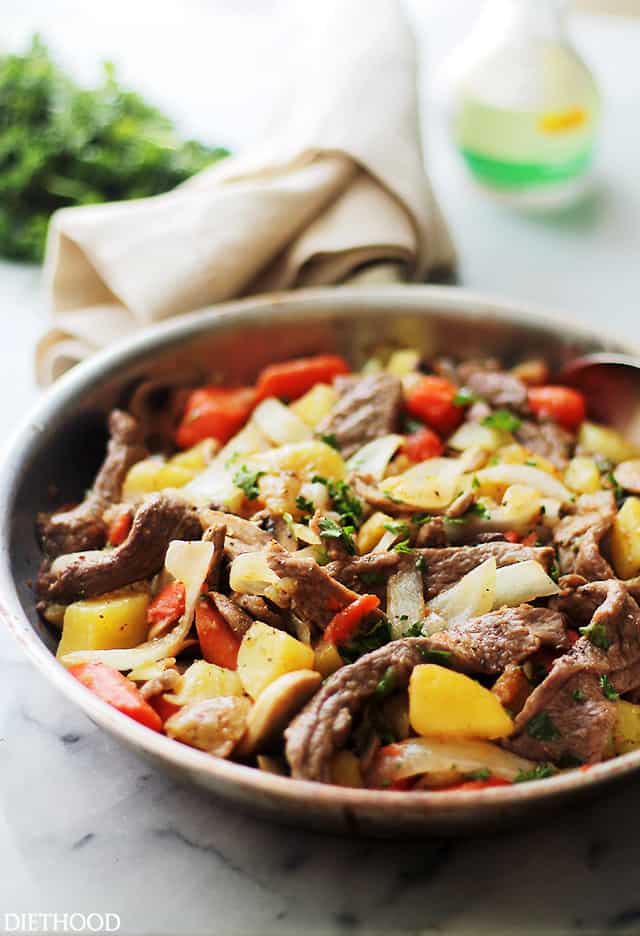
x=87 y=827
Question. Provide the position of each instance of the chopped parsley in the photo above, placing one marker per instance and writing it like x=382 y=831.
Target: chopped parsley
x=396 y=526
x=542 y=728
x=554 y=572
x=288 y=519
x=596 y=631
x=531 y=463
x=607 y=688
x=377 y=636
x=477 y=510
x=420 y=518
x=539 y=772
x=618 y=490
x=465 y=397
x=414 y=630
x=247 y=481
x=578 y=695
x=435 y=656
x=421 y=563
x=387 y=684
x=404 y=547
x=304 y=506
x=476 y=482
x=503 y=420
x=343 y=500
x=483 y=773
x=332 y=530
x=330 y=439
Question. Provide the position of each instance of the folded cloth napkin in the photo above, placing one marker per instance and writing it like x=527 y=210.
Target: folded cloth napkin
x=338 y=185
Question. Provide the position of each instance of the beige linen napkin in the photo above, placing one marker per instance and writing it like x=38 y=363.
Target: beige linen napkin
x=338 y=184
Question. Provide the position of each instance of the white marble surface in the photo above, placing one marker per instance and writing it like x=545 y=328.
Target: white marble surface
x=84 y=825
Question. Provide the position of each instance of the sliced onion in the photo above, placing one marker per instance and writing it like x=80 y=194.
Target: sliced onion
x=520 y=582
x=431 y=485
x=472 y=596
x=541 y=481
x=215 y=484
x=405 y=600
x=189 y=563
x=305 y=535
x=417 y=756
x=372 y=459
x=280 y=424
x=250 y=574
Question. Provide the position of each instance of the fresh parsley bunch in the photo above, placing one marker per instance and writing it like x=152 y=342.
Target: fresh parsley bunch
x=63 y=145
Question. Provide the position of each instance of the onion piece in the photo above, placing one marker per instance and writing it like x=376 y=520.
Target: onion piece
x=372 y=459
x=417 y=756
x=431 y=485
x=215 y=484
x=189 y=563
x=541 y=481
x=250 y=575
x=520 y=582
x=472 y=596
x=405 y=600
x=280 y=424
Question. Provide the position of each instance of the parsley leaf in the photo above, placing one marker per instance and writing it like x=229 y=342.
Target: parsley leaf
x=247 y=481
x=387 y=684
x=539 y=772
x=607 y=688
x=343 y=500
x=502 y=419
x=618 y=490
x=597 y=633
x=396 y=526
x=465 y=397
x=330 y=439
x=420 y=518
x=421 y=563
x=578 y=695
x=414 y=630
x=435 y=656
x=403 y=547
x=332 y=530
x=478 y=510
x=376 y=636
x=304 y=505
x=542 y=727
x=483 y=773
x=475 y=482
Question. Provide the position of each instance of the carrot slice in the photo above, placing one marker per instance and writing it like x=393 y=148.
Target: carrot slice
x=118 y=691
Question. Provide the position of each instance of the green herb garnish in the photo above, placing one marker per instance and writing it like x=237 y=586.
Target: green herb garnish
x=414 y=630
x=332 y=530
x=387 y=684
x=475 y=482
x=483 y=773
x=477 y=510
x=330 y=439
x=377 y=636
x=435 y=656
x=539 y=772
x=607 y=688
x=542 y=727
x=343 y=500
x=465 y=397
x=503 y=420
x=63 y=145
x=597 y=633
x=247 y=481
x=618 y=490
x=304 y=506
x=420 y=518
x=396 y=526
x=421 y=563
x=404 y=547
x=578 y=695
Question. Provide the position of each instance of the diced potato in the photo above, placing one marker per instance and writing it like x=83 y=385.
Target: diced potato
x=430 y=485
x=345 y=770
x=516 y=454
x=266 y=653
x=472 y=596
x=601 y=440
x=306 y=459
x=452 y=705
x=625 y=539
x=279 y=491
x=117 y=620
x=475 y=435
x=174 y=476
x=403 y=362
x=279 y=423
x=327 y=659
x=626 y=734
x=520 y=504
x=197 y=457
x=315 y=404
x=582 y=475
x=372 y=531
x=204 y=680
x=142 y=478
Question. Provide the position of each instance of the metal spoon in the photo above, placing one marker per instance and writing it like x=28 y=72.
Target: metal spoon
x=611 y=385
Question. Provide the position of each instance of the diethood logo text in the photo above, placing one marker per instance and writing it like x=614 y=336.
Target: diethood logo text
x=61 y=923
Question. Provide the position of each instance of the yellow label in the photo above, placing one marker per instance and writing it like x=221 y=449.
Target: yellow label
x=561 y=121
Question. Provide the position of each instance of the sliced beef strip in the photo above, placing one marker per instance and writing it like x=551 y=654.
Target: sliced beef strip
x=241 y=535
x=260 y=610
x=237 y=619
x=432 y=534
x=215 y=535
x=160 y=519
x=578 y=536
x=497 y=388
x=365 y=571
x=576 y=717
x=316 y=596
x=444 y=567
x=324 y=724
x=492 y=642
x=546 y=439
x=82 y=527
x=369 y=407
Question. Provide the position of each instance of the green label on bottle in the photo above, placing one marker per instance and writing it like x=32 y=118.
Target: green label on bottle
x=519 y=175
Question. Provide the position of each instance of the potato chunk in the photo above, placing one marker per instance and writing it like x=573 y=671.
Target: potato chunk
x=626 y=734
x=601 y=440
x=114 y=621
x=212 y=725
x=625 y=539
x=451 y=705
x=266 y=653
x=582 y=475
x=345 y=770
x=315 y=404
x=204 y=680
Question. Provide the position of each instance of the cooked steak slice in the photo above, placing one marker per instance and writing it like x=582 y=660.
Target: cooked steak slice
x=82 y=527
x=316 y=596
x=546 y=439
x=497 y=388
x=444 y=567
x=241 y=535
x=432 y=533
x=158 y=520
x=237 y=619
x=568 y=717
x=368 y=571
x=369 y=407
x=492 y=642
x=578 y=536
x=260 y=610
x=324 y=724
x=215 y=535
